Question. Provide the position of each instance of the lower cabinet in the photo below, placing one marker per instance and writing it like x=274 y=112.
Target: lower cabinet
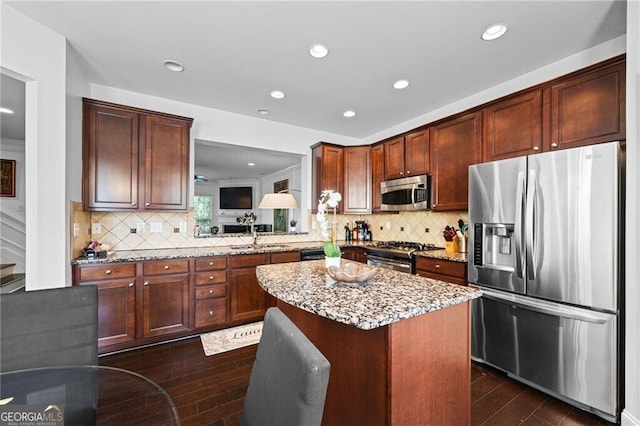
x=210 y=303
x=165 y=297
x=116 y=300
x=356 y=254
x=151 y=301
x=442 y=269
x=248 y=299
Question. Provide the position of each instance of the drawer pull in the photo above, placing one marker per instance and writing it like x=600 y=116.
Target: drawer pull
x=108 y=272
x=210 y=263
x=210 y=277
x=211 y=313
x=146 y=283
x=437 y=265
x=166 y=267
x=130 y=284
x=210 y=291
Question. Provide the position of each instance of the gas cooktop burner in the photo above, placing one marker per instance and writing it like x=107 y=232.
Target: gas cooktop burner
x=406 y=246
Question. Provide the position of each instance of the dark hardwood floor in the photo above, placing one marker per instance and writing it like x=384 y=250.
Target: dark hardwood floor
x=209 y=390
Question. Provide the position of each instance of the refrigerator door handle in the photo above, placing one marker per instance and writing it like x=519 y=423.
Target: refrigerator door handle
x=530 y=224
x=547 y=307
x=518 y=228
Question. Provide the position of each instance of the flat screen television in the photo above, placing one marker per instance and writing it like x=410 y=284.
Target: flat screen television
x=236 y=198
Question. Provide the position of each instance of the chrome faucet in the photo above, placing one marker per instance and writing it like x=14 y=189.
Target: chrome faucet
x=255 y=235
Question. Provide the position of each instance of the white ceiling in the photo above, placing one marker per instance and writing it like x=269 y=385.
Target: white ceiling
x=236 y=52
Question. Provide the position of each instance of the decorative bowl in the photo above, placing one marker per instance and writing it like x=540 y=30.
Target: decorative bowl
x=350 y=272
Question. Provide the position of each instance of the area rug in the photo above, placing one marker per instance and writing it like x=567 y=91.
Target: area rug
x=231 y=338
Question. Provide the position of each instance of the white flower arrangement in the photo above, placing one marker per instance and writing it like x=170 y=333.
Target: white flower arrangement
x=328 y=199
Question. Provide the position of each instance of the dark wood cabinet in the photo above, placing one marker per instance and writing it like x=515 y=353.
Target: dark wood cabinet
x=165 y=297
x=327 y=171
x=407 y=155
x=455 y=145
x=588 y=107
x=442 y=269
x=210 y=303
x=356 y=197
x=512 y=126
x=134 y=159
x=116 y=300
x=377 y=176
x=356 y=254
x=248 y=299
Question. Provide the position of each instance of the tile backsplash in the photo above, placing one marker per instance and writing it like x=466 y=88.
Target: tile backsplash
x=116 y=229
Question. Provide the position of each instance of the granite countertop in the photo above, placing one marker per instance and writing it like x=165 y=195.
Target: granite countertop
x=389 y=296
x=181 y=253
x=443 y=254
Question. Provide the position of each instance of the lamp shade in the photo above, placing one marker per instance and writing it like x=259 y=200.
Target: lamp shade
x=278 y=201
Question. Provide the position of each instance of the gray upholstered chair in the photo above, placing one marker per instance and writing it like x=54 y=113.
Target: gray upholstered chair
x=288 y=383
x=47 y=328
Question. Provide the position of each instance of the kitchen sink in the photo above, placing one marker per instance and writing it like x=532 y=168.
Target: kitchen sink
x=258 y=246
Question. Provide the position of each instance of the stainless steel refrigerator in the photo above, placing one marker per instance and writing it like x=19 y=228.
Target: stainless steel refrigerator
x=546 y=239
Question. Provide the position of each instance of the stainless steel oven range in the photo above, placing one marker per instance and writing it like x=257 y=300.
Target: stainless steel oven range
x=396 y=255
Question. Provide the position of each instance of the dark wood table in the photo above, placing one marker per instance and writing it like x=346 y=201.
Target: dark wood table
x=86 y=395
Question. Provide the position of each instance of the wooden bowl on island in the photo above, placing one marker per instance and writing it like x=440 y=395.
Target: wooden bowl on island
x=350 y=272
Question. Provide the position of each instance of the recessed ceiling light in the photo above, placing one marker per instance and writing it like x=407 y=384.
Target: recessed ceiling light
x=263 y=111
x=318 y=51
x=6 y=111
x=349 y=114
x=277 y=94
x=495 y=31
x=173 y=66
x=401 y=84
x=251 y=164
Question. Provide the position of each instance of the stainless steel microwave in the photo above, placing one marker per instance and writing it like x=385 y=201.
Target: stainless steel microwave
x=406 y=194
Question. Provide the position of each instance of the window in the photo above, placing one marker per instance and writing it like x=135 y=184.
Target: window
x=202 y=211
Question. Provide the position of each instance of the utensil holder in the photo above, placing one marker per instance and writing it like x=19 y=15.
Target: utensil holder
x=462 y=244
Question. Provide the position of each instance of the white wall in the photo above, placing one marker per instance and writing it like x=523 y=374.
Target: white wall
x=221 y=126
x=36 y=55
x=631 y=413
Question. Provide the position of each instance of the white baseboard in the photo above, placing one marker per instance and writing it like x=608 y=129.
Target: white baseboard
x=628 y=419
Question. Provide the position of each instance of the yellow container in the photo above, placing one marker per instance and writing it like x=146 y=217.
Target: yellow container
x=450 y=246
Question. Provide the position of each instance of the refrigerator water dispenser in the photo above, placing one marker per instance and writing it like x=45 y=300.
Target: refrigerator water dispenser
x=494 y=245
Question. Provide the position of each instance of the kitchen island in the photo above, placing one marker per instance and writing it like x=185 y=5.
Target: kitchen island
x=399 y=344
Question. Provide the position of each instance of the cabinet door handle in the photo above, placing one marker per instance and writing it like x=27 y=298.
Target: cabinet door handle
x=401 y=173
x=146 y=283
x=130 y=284
x=554 y=145
x=166 y=267
x=536 y=148
x=408 y=172
x=211 y=313
x=147 y=204
x=108 y=272
x=133 y=204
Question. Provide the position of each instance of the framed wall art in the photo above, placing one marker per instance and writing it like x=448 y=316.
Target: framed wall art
x=8 y=178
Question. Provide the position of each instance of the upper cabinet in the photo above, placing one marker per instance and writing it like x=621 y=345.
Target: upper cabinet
x=512 y=126
x=357 y=180
x=327 y=170
x=377 y=176
x=407 y=155
x=455 y=145
x=134 y=159
x=588 y=107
